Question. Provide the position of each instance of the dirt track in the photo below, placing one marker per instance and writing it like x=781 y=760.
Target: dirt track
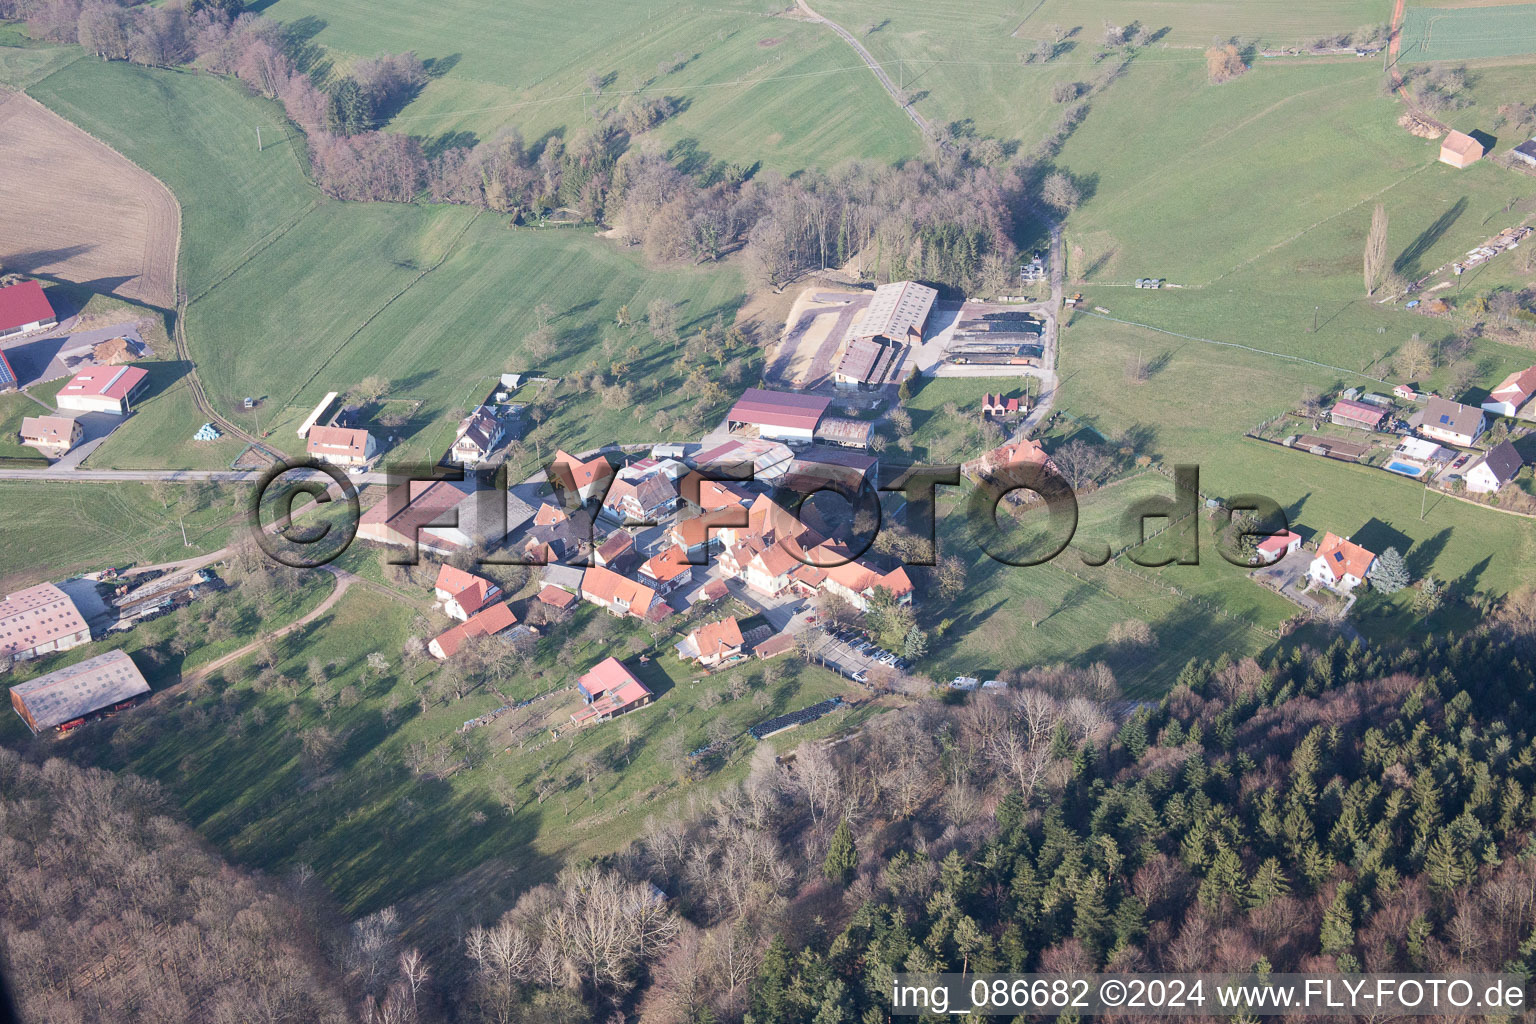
x=78 y=210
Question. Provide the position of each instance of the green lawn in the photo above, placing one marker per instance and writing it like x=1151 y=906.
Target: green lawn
x=751 y=88
x=1467 y=33
x=375 y=832
x=54 y=530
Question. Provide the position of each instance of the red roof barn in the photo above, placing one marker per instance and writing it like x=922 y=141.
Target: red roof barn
x=23 y=308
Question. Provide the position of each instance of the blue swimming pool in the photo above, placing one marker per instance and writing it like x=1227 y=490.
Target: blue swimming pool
x=1405 y=469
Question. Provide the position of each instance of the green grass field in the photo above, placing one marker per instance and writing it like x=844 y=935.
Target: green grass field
x=751 y=88
x=234 y=757
x=1467 y=33
x=55 y=530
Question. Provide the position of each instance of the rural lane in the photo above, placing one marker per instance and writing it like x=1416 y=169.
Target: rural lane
x=874 y=65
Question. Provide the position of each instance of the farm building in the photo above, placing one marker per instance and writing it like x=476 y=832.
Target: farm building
x=478 y=435
x=1450 y=422
x=463 y=593
x=712 y=643
x=1513 y=393
x=443 y=516
x=866 y=362
x=779 y=643
x=1525 y=153
x=1272 y=549
x=618 y=594
x=109 y=389
x=609 y=689
x=1493 y=470
x=897 y=313
x=8 y=380
x=778 y=415
x=51 y=435
x=555 y=597
x=1361 y=415
x=24 y=308
x=341 y=446
x=848 y=433
x=745 y=459
x=40 y=620
x=486 y=622
x=1340 y=565
x=65 y=698
x=1460 y=150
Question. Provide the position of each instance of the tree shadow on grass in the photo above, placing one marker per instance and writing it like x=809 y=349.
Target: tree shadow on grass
x=1407 y=263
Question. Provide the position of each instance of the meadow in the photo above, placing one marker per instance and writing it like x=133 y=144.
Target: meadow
x=54 y=530
x=1467 y=33
x=750 y=88
x=312 y=768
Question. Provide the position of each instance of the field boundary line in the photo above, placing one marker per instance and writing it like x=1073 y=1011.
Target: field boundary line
x=447 y=251
x=256 y=249
x=1233 y=344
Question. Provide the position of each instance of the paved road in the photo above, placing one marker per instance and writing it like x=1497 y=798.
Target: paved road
x=1050 y=380
x=222 y=476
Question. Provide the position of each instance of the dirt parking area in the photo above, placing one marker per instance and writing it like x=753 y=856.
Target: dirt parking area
x=77 y=210
x=813 y=334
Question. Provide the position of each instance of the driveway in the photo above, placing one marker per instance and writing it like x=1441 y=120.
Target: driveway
x=37 y=360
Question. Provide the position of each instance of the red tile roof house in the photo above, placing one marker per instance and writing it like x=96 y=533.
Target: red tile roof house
x=667 y=571
x=618 y=594
x=856 y=582
x=712 y=643
x=486 y=622
x=997 y=405
x=463 y=593
x=40 y=620
x=1340 y=565
x=1025 y=452
x=1272 y=549
x=1348 y=413
x=108 y=389
x=341 y=446
x=609 y=689
x=586 y=479
x=556 y=598
x=51 y=435
x=640 y=501
x=1512 y=394
x=24 y=308
x=698 y=534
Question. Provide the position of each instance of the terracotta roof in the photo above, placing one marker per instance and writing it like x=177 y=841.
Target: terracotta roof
x=668 y=565
x=1342 y=556
x=1462 y=144
x=607 y=586
x=338 y=441
x=778 y=409
x=714 y=590
x=80 y=689
x=715 y=638
x=779 y=643
x=711 y=495
x=52 y=430
x=556 y=597
x=776 y=561
x=416 y=504
x=484 y=623
x=36 y=616
x=611 y=687
x=1517 y=388
x=471 y=592
x=115 y=382
x=22 y=304
x=618 y=542
x=549 y=514
x=694 y=530
x=1278 y=543
x=1360 y=412
x=575 y=474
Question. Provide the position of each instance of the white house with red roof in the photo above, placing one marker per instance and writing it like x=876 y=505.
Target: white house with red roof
x=24 y=309
x=109 y=389
x=1513 y=394
x=712 y=643
x=609 y=689
x=1340 y=565
x=341 y=446
x=585 y=477
x=618 y=594
x=667 y=571
x=856 y=583
x=487 y=621
x=463 y=593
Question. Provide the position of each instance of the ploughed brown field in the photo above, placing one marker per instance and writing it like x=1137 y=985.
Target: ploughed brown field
x=77 y=210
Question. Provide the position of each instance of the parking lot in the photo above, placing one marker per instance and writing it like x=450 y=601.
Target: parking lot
x=849 y=654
